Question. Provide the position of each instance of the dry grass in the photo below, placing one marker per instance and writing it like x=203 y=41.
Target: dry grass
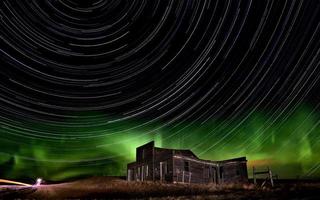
x=112 y=188
x=115 y=188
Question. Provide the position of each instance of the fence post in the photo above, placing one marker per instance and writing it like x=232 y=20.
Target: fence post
x=182 y=176
x=271 y=177
x=254 y=175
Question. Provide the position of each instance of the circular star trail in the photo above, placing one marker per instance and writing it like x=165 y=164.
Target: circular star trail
x=83 y=83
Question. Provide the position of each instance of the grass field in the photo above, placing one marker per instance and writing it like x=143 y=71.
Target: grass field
x=115 y=188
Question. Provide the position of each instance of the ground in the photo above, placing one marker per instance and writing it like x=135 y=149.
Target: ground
x=115 y=188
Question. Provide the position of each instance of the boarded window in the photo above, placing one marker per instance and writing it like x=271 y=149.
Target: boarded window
x=206 y=172
x=186 y=166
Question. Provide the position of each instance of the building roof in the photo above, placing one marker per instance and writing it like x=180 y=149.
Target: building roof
x=234 y=159
x=189 y=155
x=184 y=152
x=211 y=162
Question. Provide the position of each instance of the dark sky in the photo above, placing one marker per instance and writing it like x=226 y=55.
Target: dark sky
x=167 y=62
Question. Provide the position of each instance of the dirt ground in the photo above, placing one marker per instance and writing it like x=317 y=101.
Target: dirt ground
x=114 y=188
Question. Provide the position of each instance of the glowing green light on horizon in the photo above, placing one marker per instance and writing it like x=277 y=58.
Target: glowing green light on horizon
x=290 y=146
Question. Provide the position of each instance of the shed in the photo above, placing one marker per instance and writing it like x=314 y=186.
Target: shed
x=183 y=166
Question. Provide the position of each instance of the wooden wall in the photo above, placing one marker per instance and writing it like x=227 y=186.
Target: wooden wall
x=151 y=161
x=234 y=172
x=165 y=156
x=198 y=172
x=195 y=172
x=144 y=162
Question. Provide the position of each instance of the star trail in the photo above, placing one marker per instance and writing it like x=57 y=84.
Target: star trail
x=82 y=84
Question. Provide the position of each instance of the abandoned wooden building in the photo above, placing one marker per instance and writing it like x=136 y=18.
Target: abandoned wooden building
x=173 y=165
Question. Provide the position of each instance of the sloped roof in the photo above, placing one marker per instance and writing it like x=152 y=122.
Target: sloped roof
x=184 y=152
x=234 y=159
x=188 y=154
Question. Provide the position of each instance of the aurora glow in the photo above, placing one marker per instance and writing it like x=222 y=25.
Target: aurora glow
x=289 y=146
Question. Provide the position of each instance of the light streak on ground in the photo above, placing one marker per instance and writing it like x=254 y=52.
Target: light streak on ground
x=14 y=182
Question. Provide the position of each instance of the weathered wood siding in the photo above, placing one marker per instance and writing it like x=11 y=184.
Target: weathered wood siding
x=168 y=165
x=234 y=172
x=165 y=156
x=196 y=172
x=143 y=167
x=145 y=153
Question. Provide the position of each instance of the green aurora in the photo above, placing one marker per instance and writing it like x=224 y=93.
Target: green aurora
x=92 y=146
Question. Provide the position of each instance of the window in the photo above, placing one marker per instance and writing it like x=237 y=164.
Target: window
x=143 y=154
x=186 y=166
x=163 y=170
x=206 y=172
x=130 y=175
x=221 y=172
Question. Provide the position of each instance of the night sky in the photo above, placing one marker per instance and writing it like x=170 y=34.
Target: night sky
x=83 y=83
